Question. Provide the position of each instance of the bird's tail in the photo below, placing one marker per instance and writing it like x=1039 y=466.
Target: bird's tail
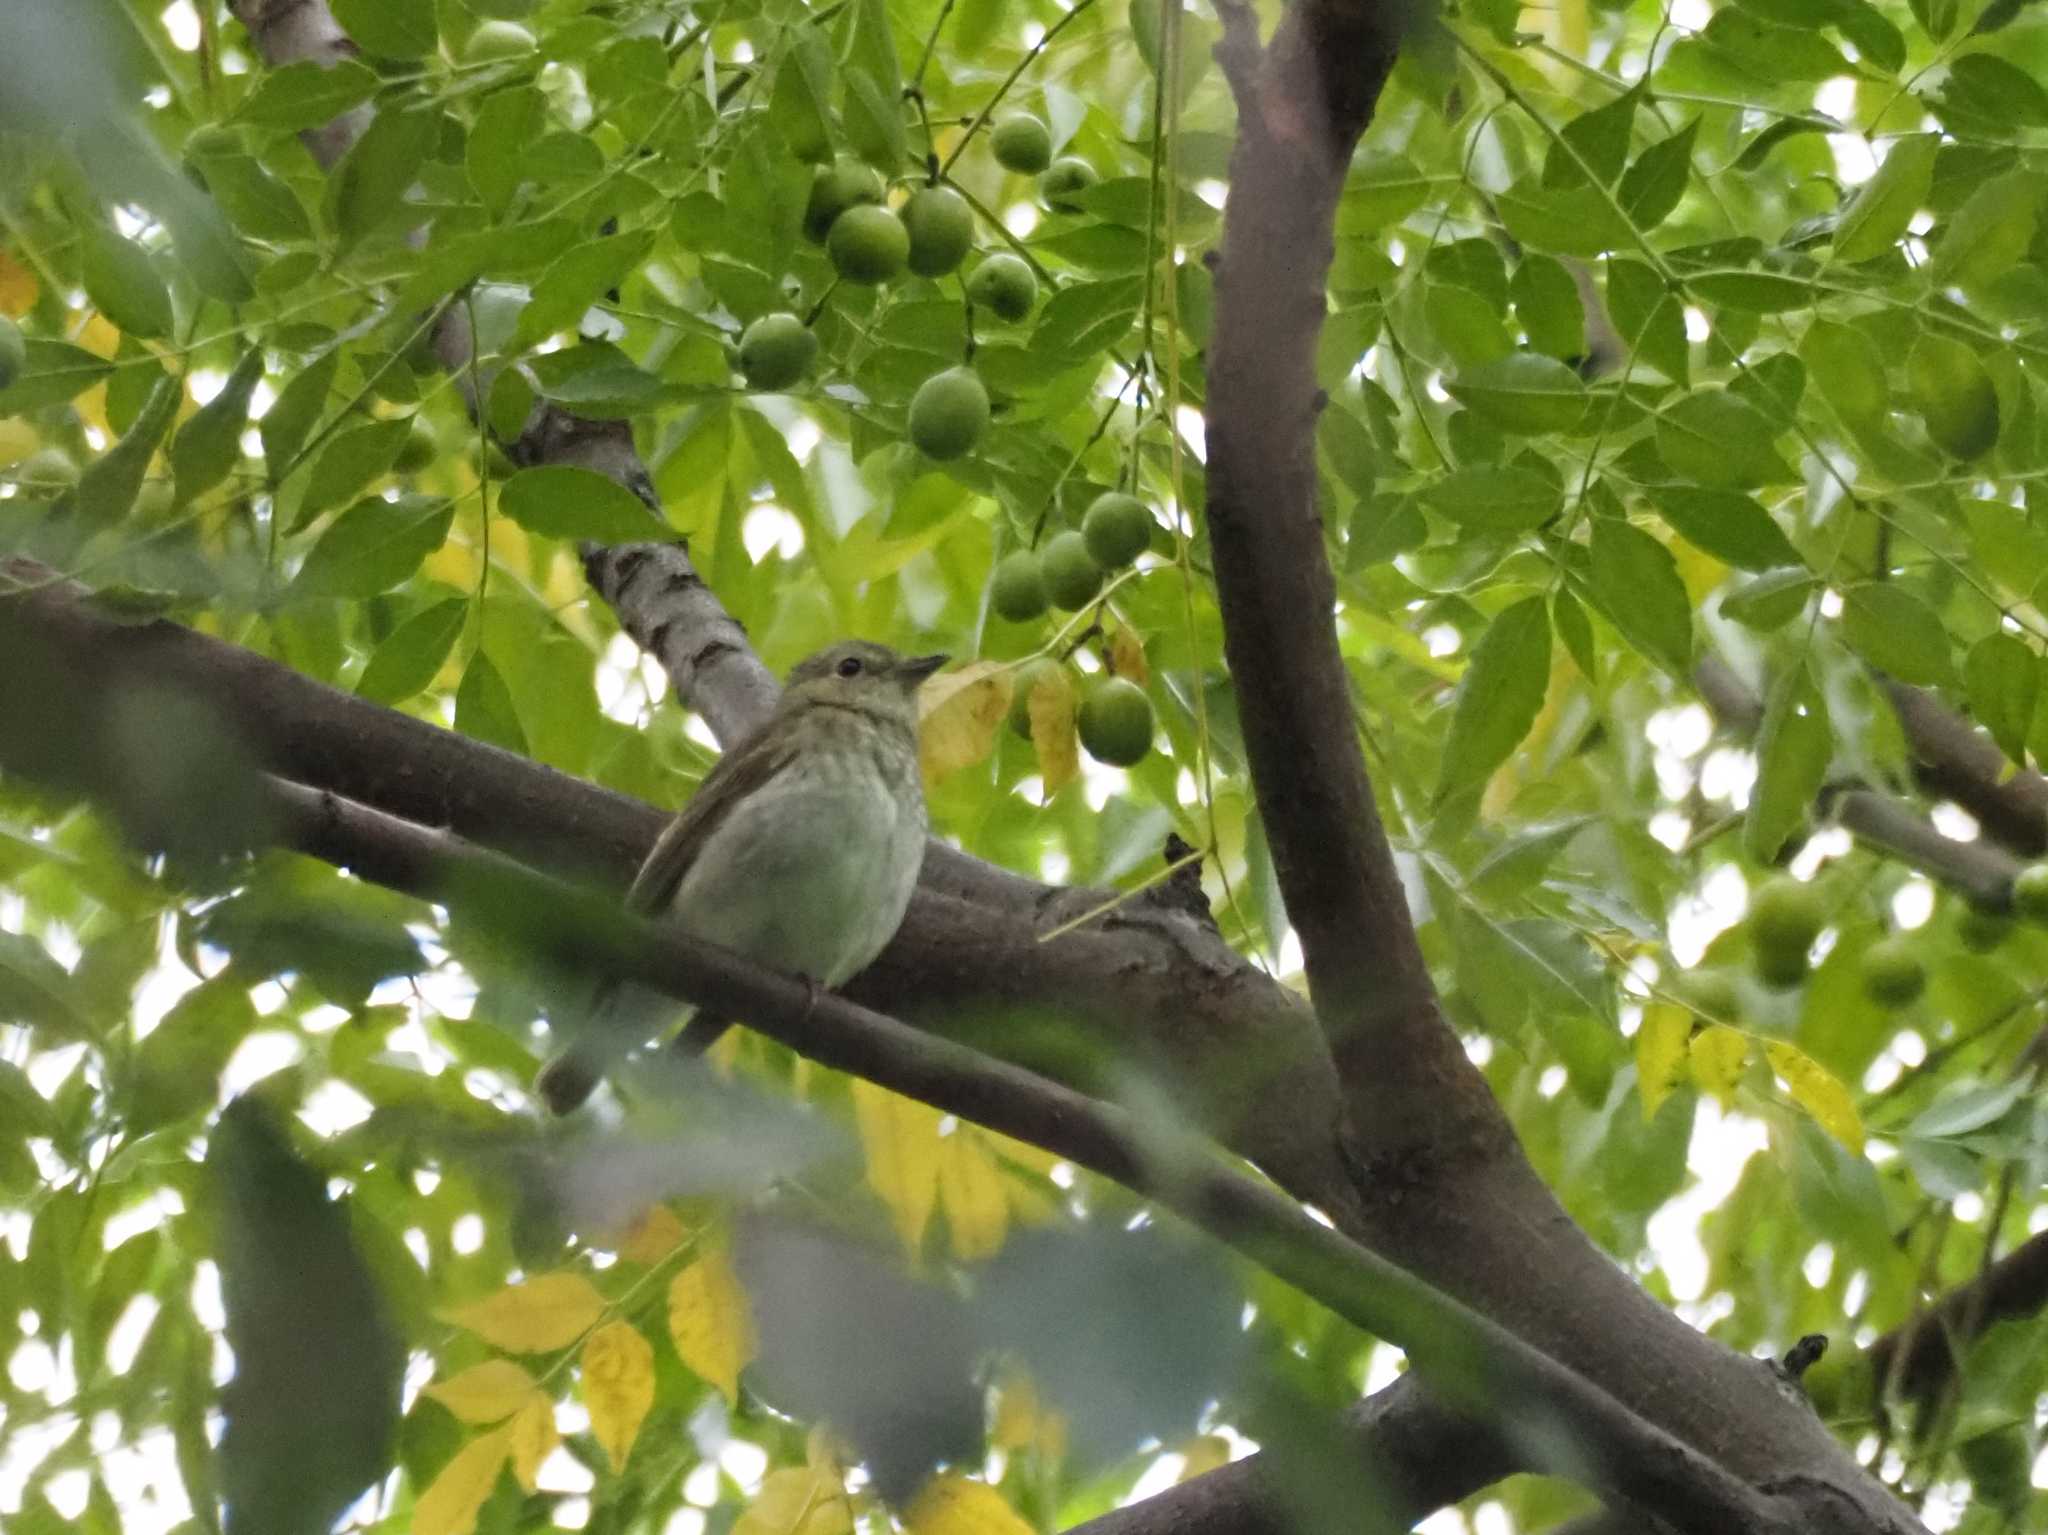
x=622 y=1018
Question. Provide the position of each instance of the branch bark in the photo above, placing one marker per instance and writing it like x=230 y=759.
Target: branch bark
x=2013 y=1286
x=1955 y=761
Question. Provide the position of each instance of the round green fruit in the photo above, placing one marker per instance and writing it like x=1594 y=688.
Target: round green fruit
x=47 y=472
x=13 y=352
x=941 y=229
x=2030 y=893
x=1062 y=179
x=1116 y=722
x=1004 y=285
x=1117 y=528
x=868 y=244
x=1983 y=931
x=1020 y=697
x=1018 y=591
x=1785 y=916
x=776 y=351
x=834 y=189
x=1022 y=144
x=1893 y=975
x=495 y=40
x=419 y=450
x=1072 y=578
x=948 y=413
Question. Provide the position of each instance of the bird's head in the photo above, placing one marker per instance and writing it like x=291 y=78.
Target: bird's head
x=861 y=674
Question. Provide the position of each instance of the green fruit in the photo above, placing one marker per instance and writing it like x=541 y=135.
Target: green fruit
x=941 y=227
x=2030 y=893
x=868 y=244
x=1893 y=975
x=1018 y=591
x=834 y=189
x=776 y=351
x=1020 y=697
x=1117 y=528
x=1983 y=931
x=419 y=450
x=1116 y=722
x=1712 y=994
x=1004 y=285
x=1785 y=916
x=13 y=352
x=948 y=413
x=1066 y=176
x=1022 y=144
x=1072 y=578
x=494 y=40
x=47 y=472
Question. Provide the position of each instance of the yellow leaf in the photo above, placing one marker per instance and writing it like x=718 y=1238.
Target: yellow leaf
x=949 y=1504
x=534 y=1438
x=485 y=1393
x=618 y=1388
x=1660 y=1053
x=1022 y=1422
x=971 y=1193
x=1818 y=1091
x=534 y=1317
x=450 y=1504
x=17 y=286
x=798 y=1500
x=1127 y=657
x=959 y=714
x=656 y=1234
x=1202 y=1455
x=901 y=1139
x=1053 y=736
x=712 y=1322
x=1718 y=1055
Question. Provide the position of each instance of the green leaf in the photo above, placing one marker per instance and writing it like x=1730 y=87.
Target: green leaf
x=413 y=655
x=1897 y=633
x=1638 y=586
x=370 y=182
x=1991 y=233
x=1651 y=190
x=1548 y=305
x=390 y=29
x=1726 y=524
x=874 y=122
x=122 y=282
x=109 y=485
x=350 y=461
x=1523 y=392
x=1648 y=318
x=495 y=157
x=261 y=205
x=577 y=279
x=1757 y=292
x=1793 y=749
x=1771 y=601
x=1468 y=328
x=1498 y=697
x=798 y=105
x=2003 y=681
x=52 y=372
x=1984 y=92
x=305 y=94
x=1773 y=54
x=1595 y=141
x=1847 y=368
x=1494 y=499
x=484 y=708
x=1379 y=191
x=209 y=444
x=288 y=422
x=37 y=991
x=561 y=501
x=1581 y=221
x=1876 y=220
x=1721 y=440
x=1954 y=396
x=373 y=546
x=511 y=402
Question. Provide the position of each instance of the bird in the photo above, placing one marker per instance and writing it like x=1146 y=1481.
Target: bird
x=799 y=851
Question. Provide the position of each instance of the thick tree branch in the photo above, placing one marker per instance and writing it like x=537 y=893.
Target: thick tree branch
x=1302 y=103
x=2013 y=1286
x=1955 y=761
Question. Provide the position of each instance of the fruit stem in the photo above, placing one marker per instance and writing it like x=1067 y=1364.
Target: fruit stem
x=811 y=316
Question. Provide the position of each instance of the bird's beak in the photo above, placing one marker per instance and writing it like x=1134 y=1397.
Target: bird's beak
x=915 y=669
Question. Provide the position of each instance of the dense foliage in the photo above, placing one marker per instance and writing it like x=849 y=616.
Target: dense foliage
x=1685 y=376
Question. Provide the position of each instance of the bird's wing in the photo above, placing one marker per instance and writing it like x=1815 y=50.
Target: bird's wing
x=736 y=776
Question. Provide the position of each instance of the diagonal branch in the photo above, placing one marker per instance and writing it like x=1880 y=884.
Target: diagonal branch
x=1302 y=105
x=2013 y=1286
x=1957 y=762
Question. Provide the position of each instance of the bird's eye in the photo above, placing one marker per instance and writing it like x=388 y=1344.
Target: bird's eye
x=850 y=667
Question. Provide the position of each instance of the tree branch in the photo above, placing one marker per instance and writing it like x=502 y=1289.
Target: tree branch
x=1955 y=761
x=1410 y=1093
x=2013 y=1286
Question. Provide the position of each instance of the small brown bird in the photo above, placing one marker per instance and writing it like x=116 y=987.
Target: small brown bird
x=800 y=851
